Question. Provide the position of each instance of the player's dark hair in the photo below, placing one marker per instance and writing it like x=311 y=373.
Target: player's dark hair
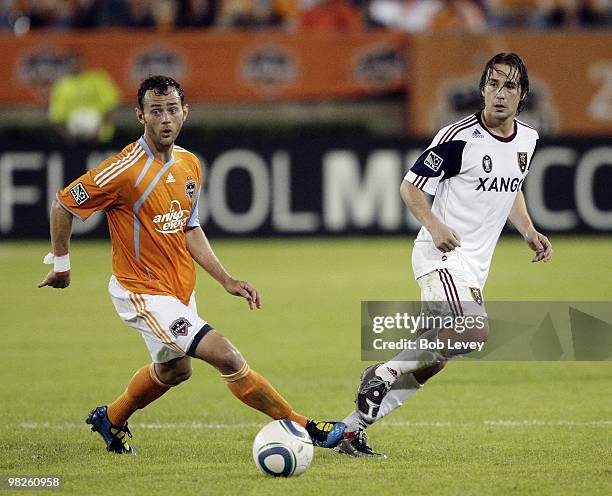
x=516 y=64
x=160 y=85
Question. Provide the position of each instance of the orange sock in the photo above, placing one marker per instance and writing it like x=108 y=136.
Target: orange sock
x=298 y=419
x=254 y=390
x=144 y=388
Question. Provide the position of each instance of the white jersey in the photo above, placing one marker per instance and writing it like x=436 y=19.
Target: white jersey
x=475 y=177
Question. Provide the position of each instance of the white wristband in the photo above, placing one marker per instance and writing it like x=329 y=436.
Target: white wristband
x=60 y=264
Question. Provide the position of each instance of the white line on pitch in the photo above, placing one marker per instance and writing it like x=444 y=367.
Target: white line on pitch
x=502 y=423
x=214 y=426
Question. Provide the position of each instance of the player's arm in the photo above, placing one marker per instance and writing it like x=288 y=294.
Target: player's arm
x=445 y=238
x=203 y=254
x=536 y=241
x=61 y=230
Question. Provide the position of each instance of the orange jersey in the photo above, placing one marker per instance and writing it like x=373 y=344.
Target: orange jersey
x=148 y=205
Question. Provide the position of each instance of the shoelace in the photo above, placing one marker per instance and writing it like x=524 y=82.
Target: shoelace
x=123 y=429
x=362 y=439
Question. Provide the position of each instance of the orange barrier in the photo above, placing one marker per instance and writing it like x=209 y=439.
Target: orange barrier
x=571 y=73
x=213 y=66
x=570 y=77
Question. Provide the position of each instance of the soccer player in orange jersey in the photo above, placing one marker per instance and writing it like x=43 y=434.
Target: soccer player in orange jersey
x=150 y=193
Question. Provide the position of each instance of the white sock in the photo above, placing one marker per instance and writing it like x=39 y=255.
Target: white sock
x=405 y=362
x=354 y=422
x=402 y=391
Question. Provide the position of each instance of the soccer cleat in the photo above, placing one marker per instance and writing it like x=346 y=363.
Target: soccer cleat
x=325 y=434
x=356 y=444
x=115 y=436
x=370 y=395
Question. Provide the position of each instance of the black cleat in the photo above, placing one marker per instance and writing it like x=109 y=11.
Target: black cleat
x=357 y=445
x=325 y=434
x=115 y=436
x=371 y=392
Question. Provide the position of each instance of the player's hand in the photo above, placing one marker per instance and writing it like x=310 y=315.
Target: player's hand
x=59 y=280
x=540 y=244
x=244 y=289
x=445 y=238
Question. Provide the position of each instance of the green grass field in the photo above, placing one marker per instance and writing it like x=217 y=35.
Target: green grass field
x=528 y=428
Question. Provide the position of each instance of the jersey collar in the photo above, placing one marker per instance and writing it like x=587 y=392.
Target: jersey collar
x=498 y=138
x=143 y=142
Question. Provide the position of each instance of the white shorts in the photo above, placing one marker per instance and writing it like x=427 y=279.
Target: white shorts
x=450 y=292
x=170 y=328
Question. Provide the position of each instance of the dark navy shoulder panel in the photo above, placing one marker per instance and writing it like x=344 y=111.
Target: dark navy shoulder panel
x=440 y=160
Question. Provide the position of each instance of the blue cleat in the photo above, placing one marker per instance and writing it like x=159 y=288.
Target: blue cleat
x=115 y=436
x=325 y=434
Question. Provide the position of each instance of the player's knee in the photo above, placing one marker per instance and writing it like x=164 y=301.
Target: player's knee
x=481 y=333
x=423 y=375
x=173 y=376
x=183 y=375
x=230 y=361
x=478 y=333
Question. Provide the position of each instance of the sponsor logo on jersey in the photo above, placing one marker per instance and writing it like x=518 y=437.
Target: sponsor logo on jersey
x=190 y=189
x=172 y=221
x=522 y=160
x=180 y=327
x=79 y=193
x=477 y=134
x=499 y=184
x=433 y=161
x=487 y=164
x=170 y=178
x=477 y=295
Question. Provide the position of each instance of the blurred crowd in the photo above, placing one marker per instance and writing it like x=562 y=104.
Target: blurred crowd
x=21 y=16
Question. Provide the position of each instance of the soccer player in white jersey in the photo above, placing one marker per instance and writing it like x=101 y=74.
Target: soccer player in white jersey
x=474 y=169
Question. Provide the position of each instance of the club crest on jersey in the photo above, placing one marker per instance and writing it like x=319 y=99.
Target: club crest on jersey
x=180 y=327
x=522 y=160
x=487 y=164
x=433 y=161
x=190 y=189
x=477 y=295
x=172 y=221
x=79 y=193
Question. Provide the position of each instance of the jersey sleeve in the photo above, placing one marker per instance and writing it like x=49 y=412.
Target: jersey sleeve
x=438 y=162
x=84 y=195
x=194 y=216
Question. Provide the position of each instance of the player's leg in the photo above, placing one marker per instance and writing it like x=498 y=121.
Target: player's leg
x=147 y=385
x=255 y=391
x=170 y=367
x=355 y=442
x=444 y=295
x=385 y=387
